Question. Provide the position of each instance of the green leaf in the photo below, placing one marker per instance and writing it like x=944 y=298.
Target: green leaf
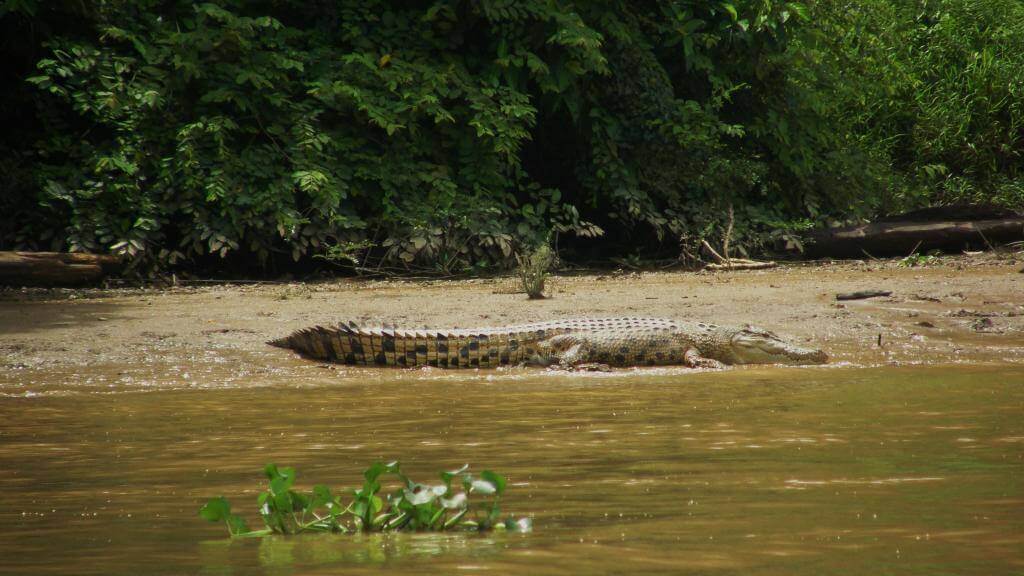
x=271 y=471
x=691 y=26
x=436 y=516
x=799 y=8
x=283 y=502
x=216 y=509
x=373 y=472
x=456 y=519
x=359 y=508
x=321 y=496
x=281 y=485
x=299 y=500
x=237 y=525
x=496 y=479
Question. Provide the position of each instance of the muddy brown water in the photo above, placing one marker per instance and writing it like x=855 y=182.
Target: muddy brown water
x=840 y=469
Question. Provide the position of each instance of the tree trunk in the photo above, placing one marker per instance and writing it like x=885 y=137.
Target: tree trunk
x=900 y=238
x=54 y=268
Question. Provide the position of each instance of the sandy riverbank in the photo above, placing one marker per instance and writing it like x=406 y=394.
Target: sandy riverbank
x=959 y=309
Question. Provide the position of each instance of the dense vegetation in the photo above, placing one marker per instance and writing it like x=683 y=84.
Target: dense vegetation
x=450 y=134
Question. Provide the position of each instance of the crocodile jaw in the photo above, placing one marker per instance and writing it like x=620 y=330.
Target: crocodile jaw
x=757 y=346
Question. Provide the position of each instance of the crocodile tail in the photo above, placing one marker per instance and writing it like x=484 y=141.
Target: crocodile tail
x=309 y=342
x=348 y=343
x=344 y=343
x=285 y=342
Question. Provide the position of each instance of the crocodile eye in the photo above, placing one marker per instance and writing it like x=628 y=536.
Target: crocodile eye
x=758 y=331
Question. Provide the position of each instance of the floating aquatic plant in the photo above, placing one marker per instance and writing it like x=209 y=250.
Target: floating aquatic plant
x=461 y=501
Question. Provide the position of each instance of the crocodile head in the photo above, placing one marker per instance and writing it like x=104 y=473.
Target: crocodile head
x=752 y=345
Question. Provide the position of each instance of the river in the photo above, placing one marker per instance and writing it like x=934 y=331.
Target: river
x=909 y=470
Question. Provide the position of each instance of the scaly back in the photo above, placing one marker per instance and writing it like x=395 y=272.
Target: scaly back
x=349 y=343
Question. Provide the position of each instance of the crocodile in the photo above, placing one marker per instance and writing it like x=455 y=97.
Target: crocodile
x=580 y=343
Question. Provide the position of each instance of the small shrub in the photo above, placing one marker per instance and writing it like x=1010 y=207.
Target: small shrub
x=918 y=259
x=533 y=270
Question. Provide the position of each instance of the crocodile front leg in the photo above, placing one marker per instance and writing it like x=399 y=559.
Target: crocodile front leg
x=573 y=355
x=549 y=352
x=693 y=359
x=577 y=358
x=570 y=352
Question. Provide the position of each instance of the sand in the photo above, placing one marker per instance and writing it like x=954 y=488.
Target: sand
x=956 y=309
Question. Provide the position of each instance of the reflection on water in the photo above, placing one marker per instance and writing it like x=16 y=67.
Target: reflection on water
x=756 y=471
x=283 y=555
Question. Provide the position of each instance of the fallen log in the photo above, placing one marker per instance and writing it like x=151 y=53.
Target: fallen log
x=900 y=237
x=55 y=268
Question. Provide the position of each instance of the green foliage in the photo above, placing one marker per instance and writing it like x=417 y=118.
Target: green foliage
x=449 y=135
x=931 y=91
x=918 y=259
x=411 y=507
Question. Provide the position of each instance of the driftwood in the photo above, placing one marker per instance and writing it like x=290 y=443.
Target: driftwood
x=54 y=268
x=740 y=264
x=949 y=228
x=726 y=262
